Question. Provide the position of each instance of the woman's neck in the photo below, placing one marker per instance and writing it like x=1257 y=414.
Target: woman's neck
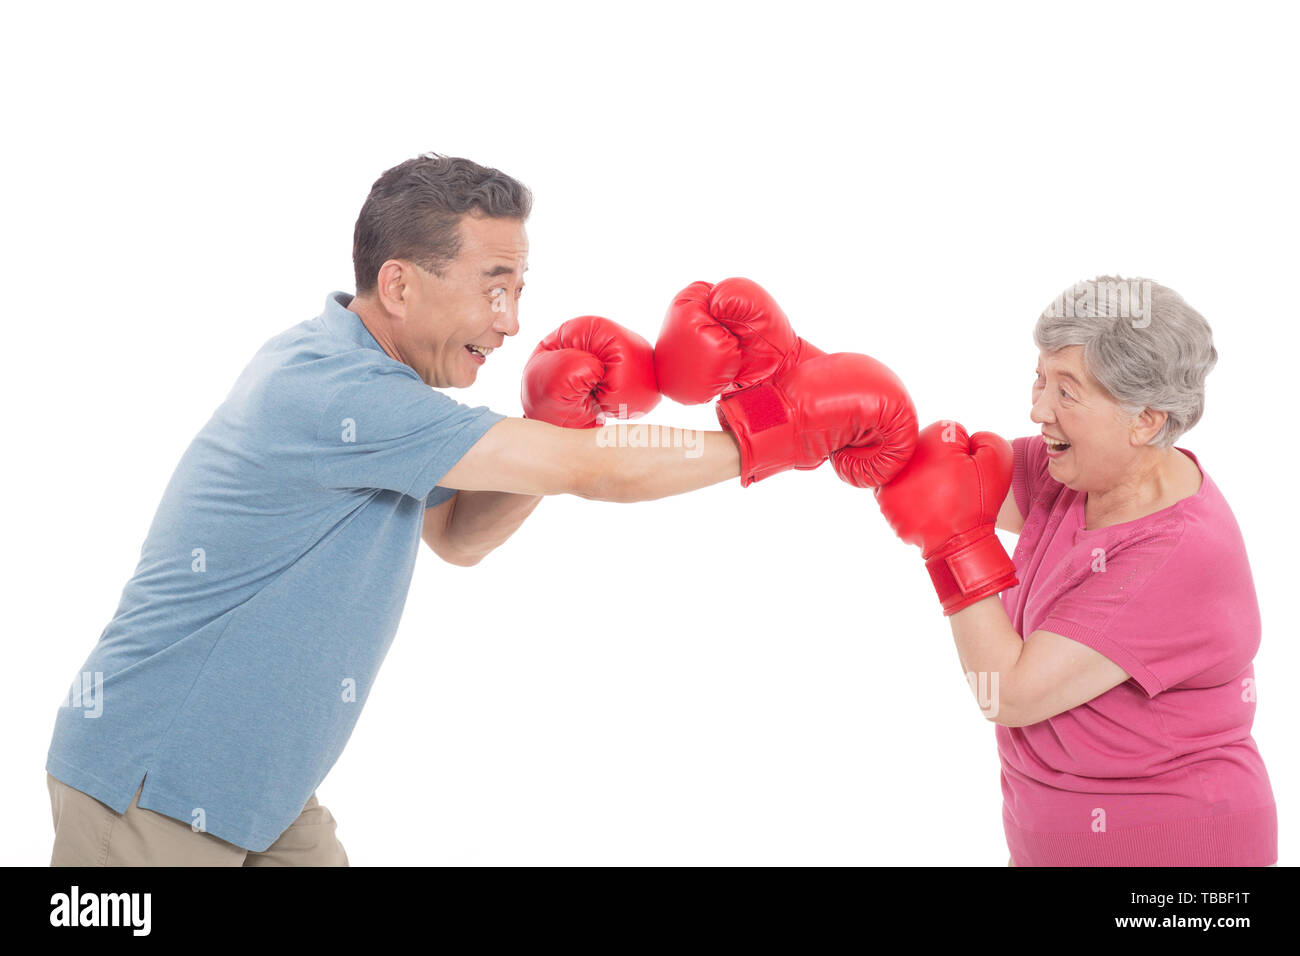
x=1156 y=483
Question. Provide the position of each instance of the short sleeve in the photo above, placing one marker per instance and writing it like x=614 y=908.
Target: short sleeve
x=1130 y=603
x=391 y=431
x=1029 y=471
x=438 y=496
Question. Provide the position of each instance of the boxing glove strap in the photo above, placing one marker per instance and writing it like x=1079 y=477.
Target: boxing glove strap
x=760 y=419
x=971 y=571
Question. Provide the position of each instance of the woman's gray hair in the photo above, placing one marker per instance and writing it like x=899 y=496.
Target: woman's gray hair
x=1141 y=341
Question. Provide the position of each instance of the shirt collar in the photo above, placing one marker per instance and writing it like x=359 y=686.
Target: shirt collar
x=340 y=321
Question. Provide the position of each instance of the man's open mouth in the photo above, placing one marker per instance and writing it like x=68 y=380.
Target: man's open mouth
x=482 y=350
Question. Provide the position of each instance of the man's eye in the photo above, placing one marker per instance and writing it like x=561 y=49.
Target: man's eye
x=1065 y=394
x=500 y=290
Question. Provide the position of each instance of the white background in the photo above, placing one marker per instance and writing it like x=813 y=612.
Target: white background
x=747 y=676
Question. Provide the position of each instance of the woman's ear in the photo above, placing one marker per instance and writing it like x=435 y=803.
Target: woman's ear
x=1146 y=425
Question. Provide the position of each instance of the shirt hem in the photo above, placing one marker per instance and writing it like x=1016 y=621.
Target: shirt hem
x=89 y=784
x=152 y=797
x=1247 y=838
x=169 y=804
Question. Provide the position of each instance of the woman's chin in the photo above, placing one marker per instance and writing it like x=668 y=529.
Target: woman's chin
x=1056 y=468
x=1065 y=475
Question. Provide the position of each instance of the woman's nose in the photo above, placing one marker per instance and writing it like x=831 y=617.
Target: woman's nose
x=1041 y=412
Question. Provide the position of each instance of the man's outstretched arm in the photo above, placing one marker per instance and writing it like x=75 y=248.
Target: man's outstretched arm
x=518 y=461
x=615 y=463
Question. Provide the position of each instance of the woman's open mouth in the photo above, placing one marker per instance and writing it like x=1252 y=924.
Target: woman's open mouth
x=1055 y=448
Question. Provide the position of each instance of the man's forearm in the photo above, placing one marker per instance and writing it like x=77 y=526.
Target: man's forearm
x=626 y=462
x=481 y=521
x=643 y=462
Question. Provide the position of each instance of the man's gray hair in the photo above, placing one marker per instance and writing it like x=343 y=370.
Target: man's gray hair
x=413 y=211
x=1141 y=341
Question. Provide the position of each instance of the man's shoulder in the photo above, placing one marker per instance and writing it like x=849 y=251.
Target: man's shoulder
x=314 y=349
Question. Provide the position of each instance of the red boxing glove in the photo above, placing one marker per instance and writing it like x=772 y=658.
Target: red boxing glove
x=874 y=465
x=586 y=369
x=946 y=499
x=719 y=338
x=822 y=404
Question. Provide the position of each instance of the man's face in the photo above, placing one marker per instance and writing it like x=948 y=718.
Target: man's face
x=453 y=322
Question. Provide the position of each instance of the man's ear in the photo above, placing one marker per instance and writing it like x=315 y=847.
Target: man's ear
x=393 y=286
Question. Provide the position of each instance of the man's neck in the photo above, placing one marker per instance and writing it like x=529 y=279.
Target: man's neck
x=373 y=317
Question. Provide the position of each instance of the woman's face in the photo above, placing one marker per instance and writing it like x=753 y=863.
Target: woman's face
x=1074 y=409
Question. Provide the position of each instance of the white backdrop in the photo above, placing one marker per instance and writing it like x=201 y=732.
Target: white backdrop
x=746 y=676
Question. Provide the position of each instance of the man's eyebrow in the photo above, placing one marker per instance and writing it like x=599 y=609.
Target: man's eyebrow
x=500 y=271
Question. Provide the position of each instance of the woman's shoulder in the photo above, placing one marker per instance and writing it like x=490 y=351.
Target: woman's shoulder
x=1194 y=538
x=1210 y=520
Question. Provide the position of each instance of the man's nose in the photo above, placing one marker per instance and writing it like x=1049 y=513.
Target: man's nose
x=507 y=321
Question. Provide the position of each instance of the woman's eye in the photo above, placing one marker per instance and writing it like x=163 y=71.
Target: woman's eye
x=500 y=290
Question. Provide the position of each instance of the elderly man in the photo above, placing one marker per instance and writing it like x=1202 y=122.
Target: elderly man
x=272 y=580
x=1118 y=662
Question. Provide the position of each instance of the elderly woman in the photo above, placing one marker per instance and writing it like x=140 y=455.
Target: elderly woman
x=1117 y=664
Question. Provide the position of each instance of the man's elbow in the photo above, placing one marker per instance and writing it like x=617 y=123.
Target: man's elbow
x=461 y=559
x=584 y=484
x=596 y=480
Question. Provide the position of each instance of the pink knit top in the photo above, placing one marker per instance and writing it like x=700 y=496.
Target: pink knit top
x=1160 y=770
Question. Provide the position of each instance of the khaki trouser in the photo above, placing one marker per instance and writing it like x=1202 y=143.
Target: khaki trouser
x=90 y=833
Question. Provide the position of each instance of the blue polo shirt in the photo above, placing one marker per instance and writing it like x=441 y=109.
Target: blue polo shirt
x=269 y=587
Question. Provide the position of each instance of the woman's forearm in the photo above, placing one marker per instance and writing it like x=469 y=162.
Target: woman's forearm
x=988 y=647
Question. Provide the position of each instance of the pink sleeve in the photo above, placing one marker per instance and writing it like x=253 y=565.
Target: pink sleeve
x=1131 y=605
x=1029 y=471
